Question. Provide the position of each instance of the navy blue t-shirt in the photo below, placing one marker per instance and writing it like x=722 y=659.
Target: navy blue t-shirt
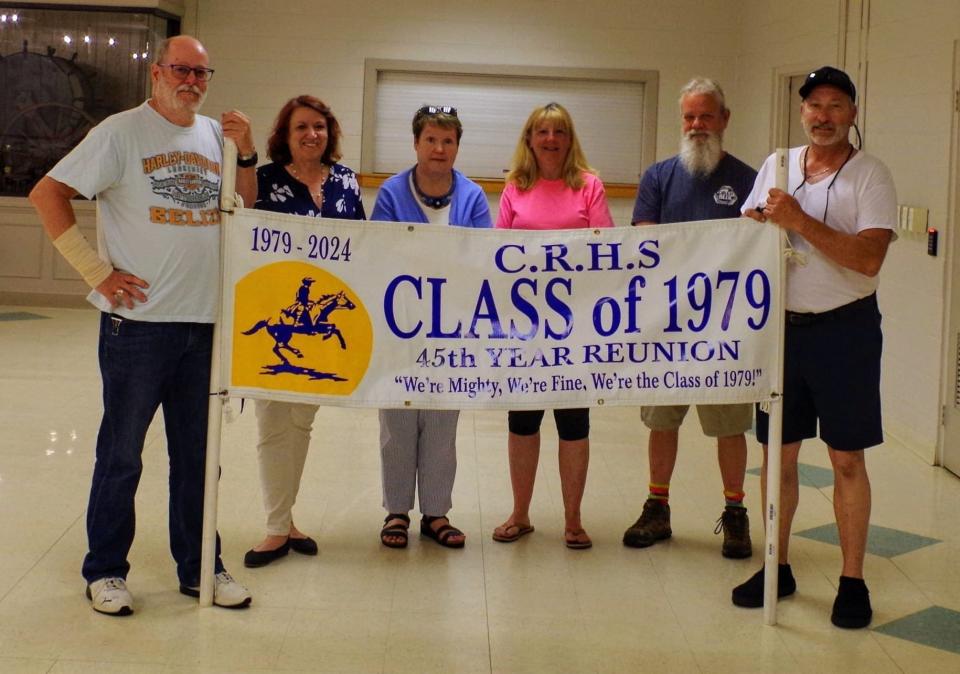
x=668 y=193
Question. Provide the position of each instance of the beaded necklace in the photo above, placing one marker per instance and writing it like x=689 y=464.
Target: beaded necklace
x=433 y=202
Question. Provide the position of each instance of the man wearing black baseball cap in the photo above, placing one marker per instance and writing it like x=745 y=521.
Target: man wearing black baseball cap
x=830 y=76
x=839 y=212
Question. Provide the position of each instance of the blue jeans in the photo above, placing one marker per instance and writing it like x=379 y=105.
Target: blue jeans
x=144 y=366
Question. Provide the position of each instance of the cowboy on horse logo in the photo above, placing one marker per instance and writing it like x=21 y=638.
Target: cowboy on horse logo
x=308 y=317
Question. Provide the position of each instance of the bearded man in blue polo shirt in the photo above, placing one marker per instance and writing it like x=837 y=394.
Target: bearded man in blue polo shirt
x=701 y=183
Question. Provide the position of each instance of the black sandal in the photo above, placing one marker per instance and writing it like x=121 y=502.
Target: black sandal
x=443 y=534
x=395 y=531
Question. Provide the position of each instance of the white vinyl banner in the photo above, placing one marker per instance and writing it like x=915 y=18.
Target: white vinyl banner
x=376 y=314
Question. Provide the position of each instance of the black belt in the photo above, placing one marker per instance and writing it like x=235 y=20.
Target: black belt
x=794 y=318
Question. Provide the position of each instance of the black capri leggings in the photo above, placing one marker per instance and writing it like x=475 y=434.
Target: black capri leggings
x=572 y=424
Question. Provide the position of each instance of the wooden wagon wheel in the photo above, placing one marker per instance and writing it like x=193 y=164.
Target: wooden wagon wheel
x=38 y=135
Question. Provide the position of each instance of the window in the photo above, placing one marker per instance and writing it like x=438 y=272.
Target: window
x=614 y=112
x=61 y=72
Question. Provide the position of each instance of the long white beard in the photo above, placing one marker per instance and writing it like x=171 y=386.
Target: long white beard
x=700 y=155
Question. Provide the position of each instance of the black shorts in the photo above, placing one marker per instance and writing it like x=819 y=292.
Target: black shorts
x=572 y=424
x=832 y=375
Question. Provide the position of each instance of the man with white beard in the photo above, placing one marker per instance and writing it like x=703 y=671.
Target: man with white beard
x=701 y=183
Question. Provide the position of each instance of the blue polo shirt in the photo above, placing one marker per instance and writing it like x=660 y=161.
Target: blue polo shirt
x=668 y=193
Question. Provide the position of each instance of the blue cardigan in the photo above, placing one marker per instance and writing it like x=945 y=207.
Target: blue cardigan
x=396 y=203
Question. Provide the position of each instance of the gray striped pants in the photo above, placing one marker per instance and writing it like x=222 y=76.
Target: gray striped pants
x=418 y=449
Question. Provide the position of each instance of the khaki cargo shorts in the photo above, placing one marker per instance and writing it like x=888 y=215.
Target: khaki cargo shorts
x=717 y=421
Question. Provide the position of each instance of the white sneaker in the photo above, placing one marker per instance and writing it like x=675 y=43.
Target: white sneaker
x=110 y=596
x=227 y=592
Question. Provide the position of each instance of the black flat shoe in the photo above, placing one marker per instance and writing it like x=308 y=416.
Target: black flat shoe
x=305 y=546
x=255 y=559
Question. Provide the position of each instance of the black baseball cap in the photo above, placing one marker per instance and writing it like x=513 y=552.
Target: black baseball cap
x=828 y=75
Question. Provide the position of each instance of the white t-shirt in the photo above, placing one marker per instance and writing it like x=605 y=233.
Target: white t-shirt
x=862 y=197
x=157 y=187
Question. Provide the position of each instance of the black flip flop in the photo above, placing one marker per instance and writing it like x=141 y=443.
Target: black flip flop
x=574 y=544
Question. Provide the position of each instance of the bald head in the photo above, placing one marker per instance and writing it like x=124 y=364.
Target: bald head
x=177 y=43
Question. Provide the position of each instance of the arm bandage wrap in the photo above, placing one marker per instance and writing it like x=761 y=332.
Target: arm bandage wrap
x=74 y=246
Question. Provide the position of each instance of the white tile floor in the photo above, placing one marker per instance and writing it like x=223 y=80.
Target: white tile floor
x=533 y=606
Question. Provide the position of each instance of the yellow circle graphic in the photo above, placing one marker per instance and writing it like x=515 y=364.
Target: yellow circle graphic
x=299 y=328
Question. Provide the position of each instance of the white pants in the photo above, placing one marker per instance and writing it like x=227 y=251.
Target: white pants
x=418 y=449
x=282 y=451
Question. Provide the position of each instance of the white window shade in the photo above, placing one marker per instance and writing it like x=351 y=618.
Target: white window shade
x=611 y=115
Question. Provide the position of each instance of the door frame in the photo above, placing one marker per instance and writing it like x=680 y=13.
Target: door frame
x=782 y=100
x=950 y=244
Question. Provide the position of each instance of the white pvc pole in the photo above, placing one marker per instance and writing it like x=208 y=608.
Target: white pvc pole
x=775 y=438
x=228 y=178
x=208 y=551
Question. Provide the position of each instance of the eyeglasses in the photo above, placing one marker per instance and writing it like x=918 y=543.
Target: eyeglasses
x=437 y=110
x=181 y=72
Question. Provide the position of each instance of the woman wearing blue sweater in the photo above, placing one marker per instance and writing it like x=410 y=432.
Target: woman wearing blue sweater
x=418 y=447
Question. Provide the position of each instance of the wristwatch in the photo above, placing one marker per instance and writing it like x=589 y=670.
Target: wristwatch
x=246 y=161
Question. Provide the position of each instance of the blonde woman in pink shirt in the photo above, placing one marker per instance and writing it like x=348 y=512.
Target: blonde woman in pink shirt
x=550 y=186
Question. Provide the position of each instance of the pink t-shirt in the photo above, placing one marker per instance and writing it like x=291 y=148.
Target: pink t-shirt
x=551 y=204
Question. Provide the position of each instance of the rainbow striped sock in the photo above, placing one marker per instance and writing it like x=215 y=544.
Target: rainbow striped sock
x=659 y=492
x=734 y=498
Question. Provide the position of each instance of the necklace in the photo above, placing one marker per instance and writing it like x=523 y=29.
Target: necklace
x=818 y=173
x=429 y=200
x=324 y=174
x=826 y=206
x=823 y=171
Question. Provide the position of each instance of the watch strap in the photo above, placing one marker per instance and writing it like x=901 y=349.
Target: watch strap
x=246 y=161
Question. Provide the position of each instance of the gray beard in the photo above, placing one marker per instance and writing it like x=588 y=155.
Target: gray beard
x=168 y=96
x=700 y=157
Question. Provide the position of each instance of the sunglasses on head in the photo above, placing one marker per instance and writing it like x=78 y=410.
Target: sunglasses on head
x=438 y=110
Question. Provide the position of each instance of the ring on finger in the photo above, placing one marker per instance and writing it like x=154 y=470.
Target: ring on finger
x=119 y=292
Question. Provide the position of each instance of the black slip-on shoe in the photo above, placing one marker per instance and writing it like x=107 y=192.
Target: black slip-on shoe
x=257 y=558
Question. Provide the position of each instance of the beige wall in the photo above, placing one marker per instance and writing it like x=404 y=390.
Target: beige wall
x=906 y=100
x=266 y=52
x=774 y=36
x=292 y=48
x=910 y=108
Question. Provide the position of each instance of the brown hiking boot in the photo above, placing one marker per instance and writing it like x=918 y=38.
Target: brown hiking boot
x=653 y=525
x=736 y=533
